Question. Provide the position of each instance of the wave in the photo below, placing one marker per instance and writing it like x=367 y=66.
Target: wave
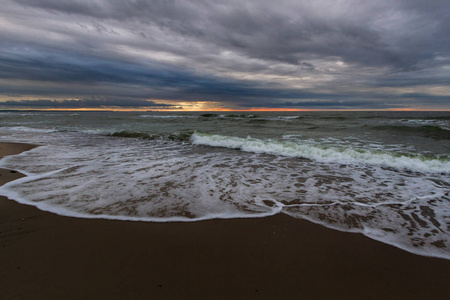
x=443 y=118
x=415 y=163
x=177 y=136
x=29 y=129
x=165 y=116
x=432 y=131
x=341 y=118
x=439 y=118
x=258 y=121
x=118 y=178
x=252 y=119
x=238 y=116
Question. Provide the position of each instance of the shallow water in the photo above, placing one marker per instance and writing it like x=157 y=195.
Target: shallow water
x=385 y=175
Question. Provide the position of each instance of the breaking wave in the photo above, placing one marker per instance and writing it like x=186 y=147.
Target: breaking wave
x=415 y=163
x=432 y=131
x=98 y=176
x=29 y=129
x=177 y=136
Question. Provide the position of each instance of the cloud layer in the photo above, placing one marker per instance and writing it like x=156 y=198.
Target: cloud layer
x=243 y=54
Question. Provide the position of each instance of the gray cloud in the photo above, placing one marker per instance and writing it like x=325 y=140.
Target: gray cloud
x=333 y=104
x=243 y=52
x=288 y=31
x=85 y=103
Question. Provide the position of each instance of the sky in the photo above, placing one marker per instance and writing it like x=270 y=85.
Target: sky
x=225 y=55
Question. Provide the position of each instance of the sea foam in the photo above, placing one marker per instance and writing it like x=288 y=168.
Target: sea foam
x=347 y=155
x=31 y=129
x=163 y=180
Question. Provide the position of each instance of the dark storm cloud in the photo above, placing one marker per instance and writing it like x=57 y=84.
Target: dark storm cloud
x=56 y=68
x=64 y=67
x=333 y=104
x=344 y=29
x=244 y=52
x=84 y=103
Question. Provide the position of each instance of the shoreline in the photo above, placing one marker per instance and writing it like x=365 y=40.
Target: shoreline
x=47 y=256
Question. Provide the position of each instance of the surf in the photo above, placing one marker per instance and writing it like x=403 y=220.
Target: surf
x=327 y=154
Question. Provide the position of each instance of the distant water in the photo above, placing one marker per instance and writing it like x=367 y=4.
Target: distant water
x=383 y=174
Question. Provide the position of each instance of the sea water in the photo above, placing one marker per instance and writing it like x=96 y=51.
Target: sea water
x=383 y=174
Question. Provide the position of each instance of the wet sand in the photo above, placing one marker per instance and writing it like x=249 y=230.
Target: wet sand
x=46 y=256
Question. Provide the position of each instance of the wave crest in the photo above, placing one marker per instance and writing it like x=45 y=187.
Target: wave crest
x=415 y=163
x=431 y=131
x=177 y=136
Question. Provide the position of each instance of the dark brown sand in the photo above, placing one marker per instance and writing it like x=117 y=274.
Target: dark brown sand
x=45 y=256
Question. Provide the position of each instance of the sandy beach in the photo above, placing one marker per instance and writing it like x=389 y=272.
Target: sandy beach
x=46 y=256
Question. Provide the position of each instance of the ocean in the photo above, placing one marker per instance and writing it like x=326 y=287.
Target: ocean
x=385 y=175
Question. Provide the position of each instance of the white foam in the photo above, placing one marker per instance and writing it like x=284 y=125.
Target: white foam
x=165 y=116
x=443 y=124
x=93 y=176
x=404 y=225
x=285 y=118
x=292 y=136
x=322 y=154
x=30 y=129
x=97 y=131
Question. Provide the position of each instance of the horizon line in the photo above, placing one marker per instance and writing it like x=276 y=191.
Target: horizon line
x=219 y=110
